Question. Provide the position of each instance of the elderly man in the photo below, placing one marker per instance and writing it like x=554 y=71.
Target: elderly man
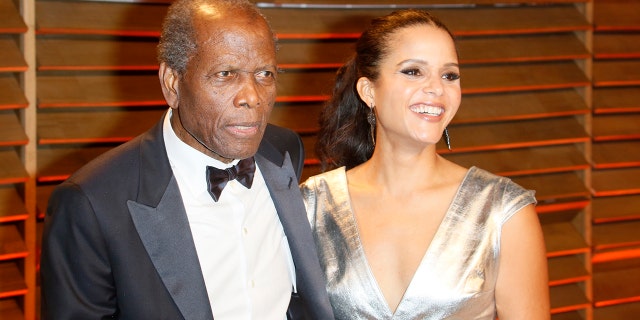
x=201 y=216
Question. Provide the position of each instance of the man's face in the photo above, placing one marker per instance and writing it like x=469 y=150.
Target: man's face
x=227 y=92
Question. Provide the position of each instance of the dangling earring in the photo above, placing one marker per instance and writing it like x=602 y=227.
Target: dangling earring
x=371 y=118
x=446 y=138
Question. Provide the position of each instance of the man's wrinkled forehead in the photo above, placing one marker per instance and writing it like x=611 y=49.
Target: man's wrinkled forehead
x=207 y=13
x=213 y=23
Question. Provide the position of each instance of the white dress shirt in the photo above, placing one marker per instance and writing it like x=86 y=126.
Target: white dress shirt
x=243 y=251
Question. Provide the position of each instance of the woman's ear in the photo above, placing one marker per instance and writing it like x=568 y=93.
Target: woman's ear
x=366 y=90
x=170 y=84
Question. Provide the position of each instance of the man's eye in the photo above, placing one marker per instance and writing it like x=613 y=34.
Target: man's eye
x=451 y=76
x=411 y=72
x=265 y=74
x=224 y=74
x=265 y=77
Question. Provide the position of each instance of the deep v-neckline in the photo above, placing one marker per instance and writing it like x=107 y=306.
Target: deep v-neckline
x=446 y=219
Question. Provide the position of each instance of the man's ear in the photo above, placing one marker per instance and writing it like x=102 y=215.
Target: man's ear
x=170 y=83
x=366 y=91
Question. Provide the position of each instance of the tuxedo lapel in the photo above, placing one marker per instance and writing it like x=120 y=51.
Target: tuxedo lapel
x=164 y=231
x=161 y=221
x=283 y=186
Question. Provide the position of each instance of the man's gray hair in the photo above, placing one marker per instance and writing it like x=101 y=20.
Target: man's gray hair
x=178 y=40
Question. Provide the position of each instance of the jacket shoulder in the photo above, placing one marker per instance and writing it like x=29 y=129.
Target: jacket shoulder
x=286 y=140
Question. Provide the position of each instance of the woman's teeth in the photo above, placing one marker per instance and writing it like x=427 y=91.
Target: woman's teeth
x=428 y=110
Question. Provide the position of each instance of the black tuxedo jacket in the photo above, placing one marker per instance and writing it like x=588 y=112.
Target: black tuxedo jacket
x=117 y=242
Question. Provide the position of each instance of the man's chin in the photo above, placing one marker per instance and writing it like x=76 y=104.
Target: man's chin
x=242 y=151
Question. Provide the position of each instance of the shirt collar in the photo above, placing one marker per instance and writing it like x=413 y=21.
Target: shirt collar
x=188 y=161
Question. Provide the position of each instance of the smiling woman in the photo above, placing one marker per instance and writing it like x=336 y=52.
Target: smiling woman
x=416 y=88
x=403 y=233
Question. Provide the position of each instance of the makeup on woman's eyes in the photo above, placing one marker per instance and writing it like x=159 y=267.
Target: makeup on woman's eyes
x=417 y=72
x=451 y=76
x=411 y=71
x=416 y=66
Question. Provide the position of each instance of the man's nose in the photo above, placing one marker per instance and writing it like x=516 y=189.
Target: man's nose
x=250 y=91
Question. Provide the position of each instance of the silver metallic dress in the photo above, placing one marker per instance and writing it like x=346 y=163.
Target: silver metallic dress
x=457 y=275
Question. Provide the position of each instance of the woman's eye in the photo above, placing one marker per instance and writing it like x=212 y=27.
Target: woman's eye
x=411 y=72
x=451 y=76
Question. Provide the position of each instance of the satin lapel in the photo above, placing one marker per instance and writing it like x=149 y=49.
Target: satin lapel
x=283 y=186
x=173 y=253
x=161 y=221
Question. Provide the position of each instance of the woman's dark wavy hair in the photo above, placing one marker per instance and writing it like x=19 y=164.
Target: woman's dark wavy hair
x=344 y=138
x=178 y=39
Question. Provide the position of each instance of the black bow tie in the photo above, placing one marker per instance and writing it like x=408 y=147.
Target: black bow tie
x=217 y=178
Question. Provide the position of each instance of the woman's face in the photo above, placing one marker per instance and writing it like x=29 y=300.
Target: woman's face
x=418 y=90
